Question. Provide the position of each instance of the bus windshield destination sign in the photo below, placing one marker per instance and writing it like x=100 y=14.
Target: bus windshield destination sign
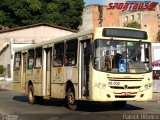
x=124 y=33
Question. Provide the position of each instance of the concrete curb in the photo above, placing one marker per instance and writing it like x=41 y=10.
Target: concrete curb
x=6 y=85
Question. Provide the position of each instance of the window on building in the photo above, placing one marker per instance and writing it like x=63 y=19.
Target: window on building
x=145 y=25
x=30 y=58
x=38 y=58
x=138 y=16
x=71 y=52
x=58 y=54
x=17 y=60
x=126 y=19
x=132 y=17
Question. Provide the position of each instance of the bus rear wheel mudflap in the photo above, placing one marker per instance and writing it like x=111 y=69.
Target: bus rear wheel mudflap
x=31 y=97
x=119 y=104
x=70 y=99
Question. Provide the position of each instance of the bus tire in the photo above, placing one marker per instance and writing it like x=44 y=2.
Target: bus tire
x=31 y=97
x=70 y=99
x=39 y=100
x=119 y=104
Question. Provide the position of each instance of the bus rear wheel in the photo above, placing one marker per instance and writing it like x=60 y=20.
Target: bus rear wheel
x=31 y=98
x=70 y=99
x=119 y=104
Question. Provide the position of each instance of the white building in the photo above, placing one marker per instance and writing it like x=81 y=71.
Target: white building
x=26 y=35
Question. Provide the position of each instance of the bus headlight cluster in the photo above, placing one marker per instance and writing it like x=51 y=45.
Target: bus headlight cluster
x=147 y=86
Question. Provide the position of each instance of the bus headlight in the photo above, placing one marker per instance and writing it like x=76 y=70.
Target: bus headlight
x=147 y=86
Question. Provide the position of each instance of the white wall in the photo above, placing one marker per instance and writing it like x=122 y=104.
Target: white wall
x=38 y=34
x=5 y=57
x=87 y=19
x=155 y=51
x=27 y=36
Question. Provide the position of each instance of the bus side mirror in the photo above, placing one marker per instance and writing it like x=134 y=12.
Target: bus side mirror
x=146 y=52
x=90 y=49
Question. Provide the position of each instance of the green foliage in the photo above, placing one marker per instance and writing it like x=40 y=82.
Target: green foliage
x=66 y=13
x=132 y=24
x=2 y=69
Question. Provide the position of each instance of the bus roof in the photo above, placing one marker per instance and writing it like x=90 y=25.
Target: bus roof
x=67 y=37
x=74 y=35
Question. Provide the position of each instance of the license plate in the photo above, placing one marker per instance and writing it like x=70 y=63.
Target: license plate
x=113 y=83
x=125 y=93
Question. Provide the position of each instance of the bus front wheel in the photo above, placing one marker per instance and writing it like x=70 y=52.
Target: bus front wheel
x=31 y=98
x=119 y=104
x=70 y=99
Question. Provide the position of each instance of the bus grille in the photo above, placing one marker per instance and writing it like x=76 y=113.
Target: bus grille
x=120 y=87
x=124 y=79
x=131 y=96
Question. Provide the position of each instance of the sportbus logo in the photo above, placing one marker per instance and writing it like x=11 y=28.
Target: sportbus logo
x=133 y=5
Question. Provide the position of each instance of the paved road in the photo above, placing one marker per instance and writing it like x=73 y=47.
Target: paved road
x=14 y=105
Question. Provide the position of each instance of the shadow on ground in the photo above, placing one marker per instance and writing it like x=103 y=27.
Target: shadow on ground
x=4 y=89
x=82 y=106
x=103 y=106
x=20 y=98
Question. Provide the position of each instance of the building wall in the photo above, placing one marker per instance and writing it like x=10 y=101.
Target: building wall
x=148 y=19
x=110 y=17
x=87 y=17
x=7 y=58
x=35 y=34
x=128 y=17
x=155 y=50
x=23 y=37
x=150 y=23
x=99 y=16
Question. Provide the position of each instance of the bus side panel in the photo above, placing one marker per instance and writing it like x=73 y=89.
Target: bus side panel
x=57 y=82
x=35 y=76
x=57 y=90
x=17 y=80
x=71 y=74
x=75 y=80
x=37 y=82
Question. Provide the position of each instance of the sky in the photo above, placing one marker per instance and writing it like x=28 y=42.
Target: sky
x=105 y=2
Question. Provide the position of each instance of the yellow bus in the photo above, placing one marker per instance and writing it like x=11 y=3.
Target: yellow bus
x=106 y=64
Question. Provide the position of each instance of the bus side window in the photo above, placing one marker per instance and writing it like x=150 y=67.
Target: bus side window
x=17 y=60
x=71 y=52
x=30 y=58
x=58 y=53
x=38 y=59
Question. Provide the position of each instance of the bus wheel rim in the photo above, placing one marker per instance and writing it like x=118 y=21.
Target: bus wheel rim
x=71 y=98
x=30 y=96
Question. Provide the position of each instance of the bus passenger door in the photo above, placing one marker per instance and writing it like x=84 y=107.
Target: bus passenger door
x=84 y=68
x=23 y=72
x=48 y=71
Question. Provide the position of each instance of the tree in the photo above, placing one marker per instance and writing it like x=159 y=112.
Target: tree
x=132 y=24
x=2 y=69
x=65 y=13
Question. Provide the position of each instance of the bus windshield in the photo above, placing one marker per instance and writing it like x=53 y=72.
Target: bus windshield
x=119 y=56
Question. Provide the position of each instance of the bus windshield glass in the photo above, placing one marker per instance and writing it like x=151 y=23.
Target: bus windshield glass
x=119 y=56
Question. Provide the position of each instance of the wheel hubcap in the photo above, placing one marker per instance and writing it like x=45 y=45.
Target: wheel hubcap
x=30 y=95
x=71 y=98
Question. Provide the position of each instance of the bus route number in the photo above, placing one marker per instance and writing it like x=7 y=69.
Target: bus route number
x=113 y=83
